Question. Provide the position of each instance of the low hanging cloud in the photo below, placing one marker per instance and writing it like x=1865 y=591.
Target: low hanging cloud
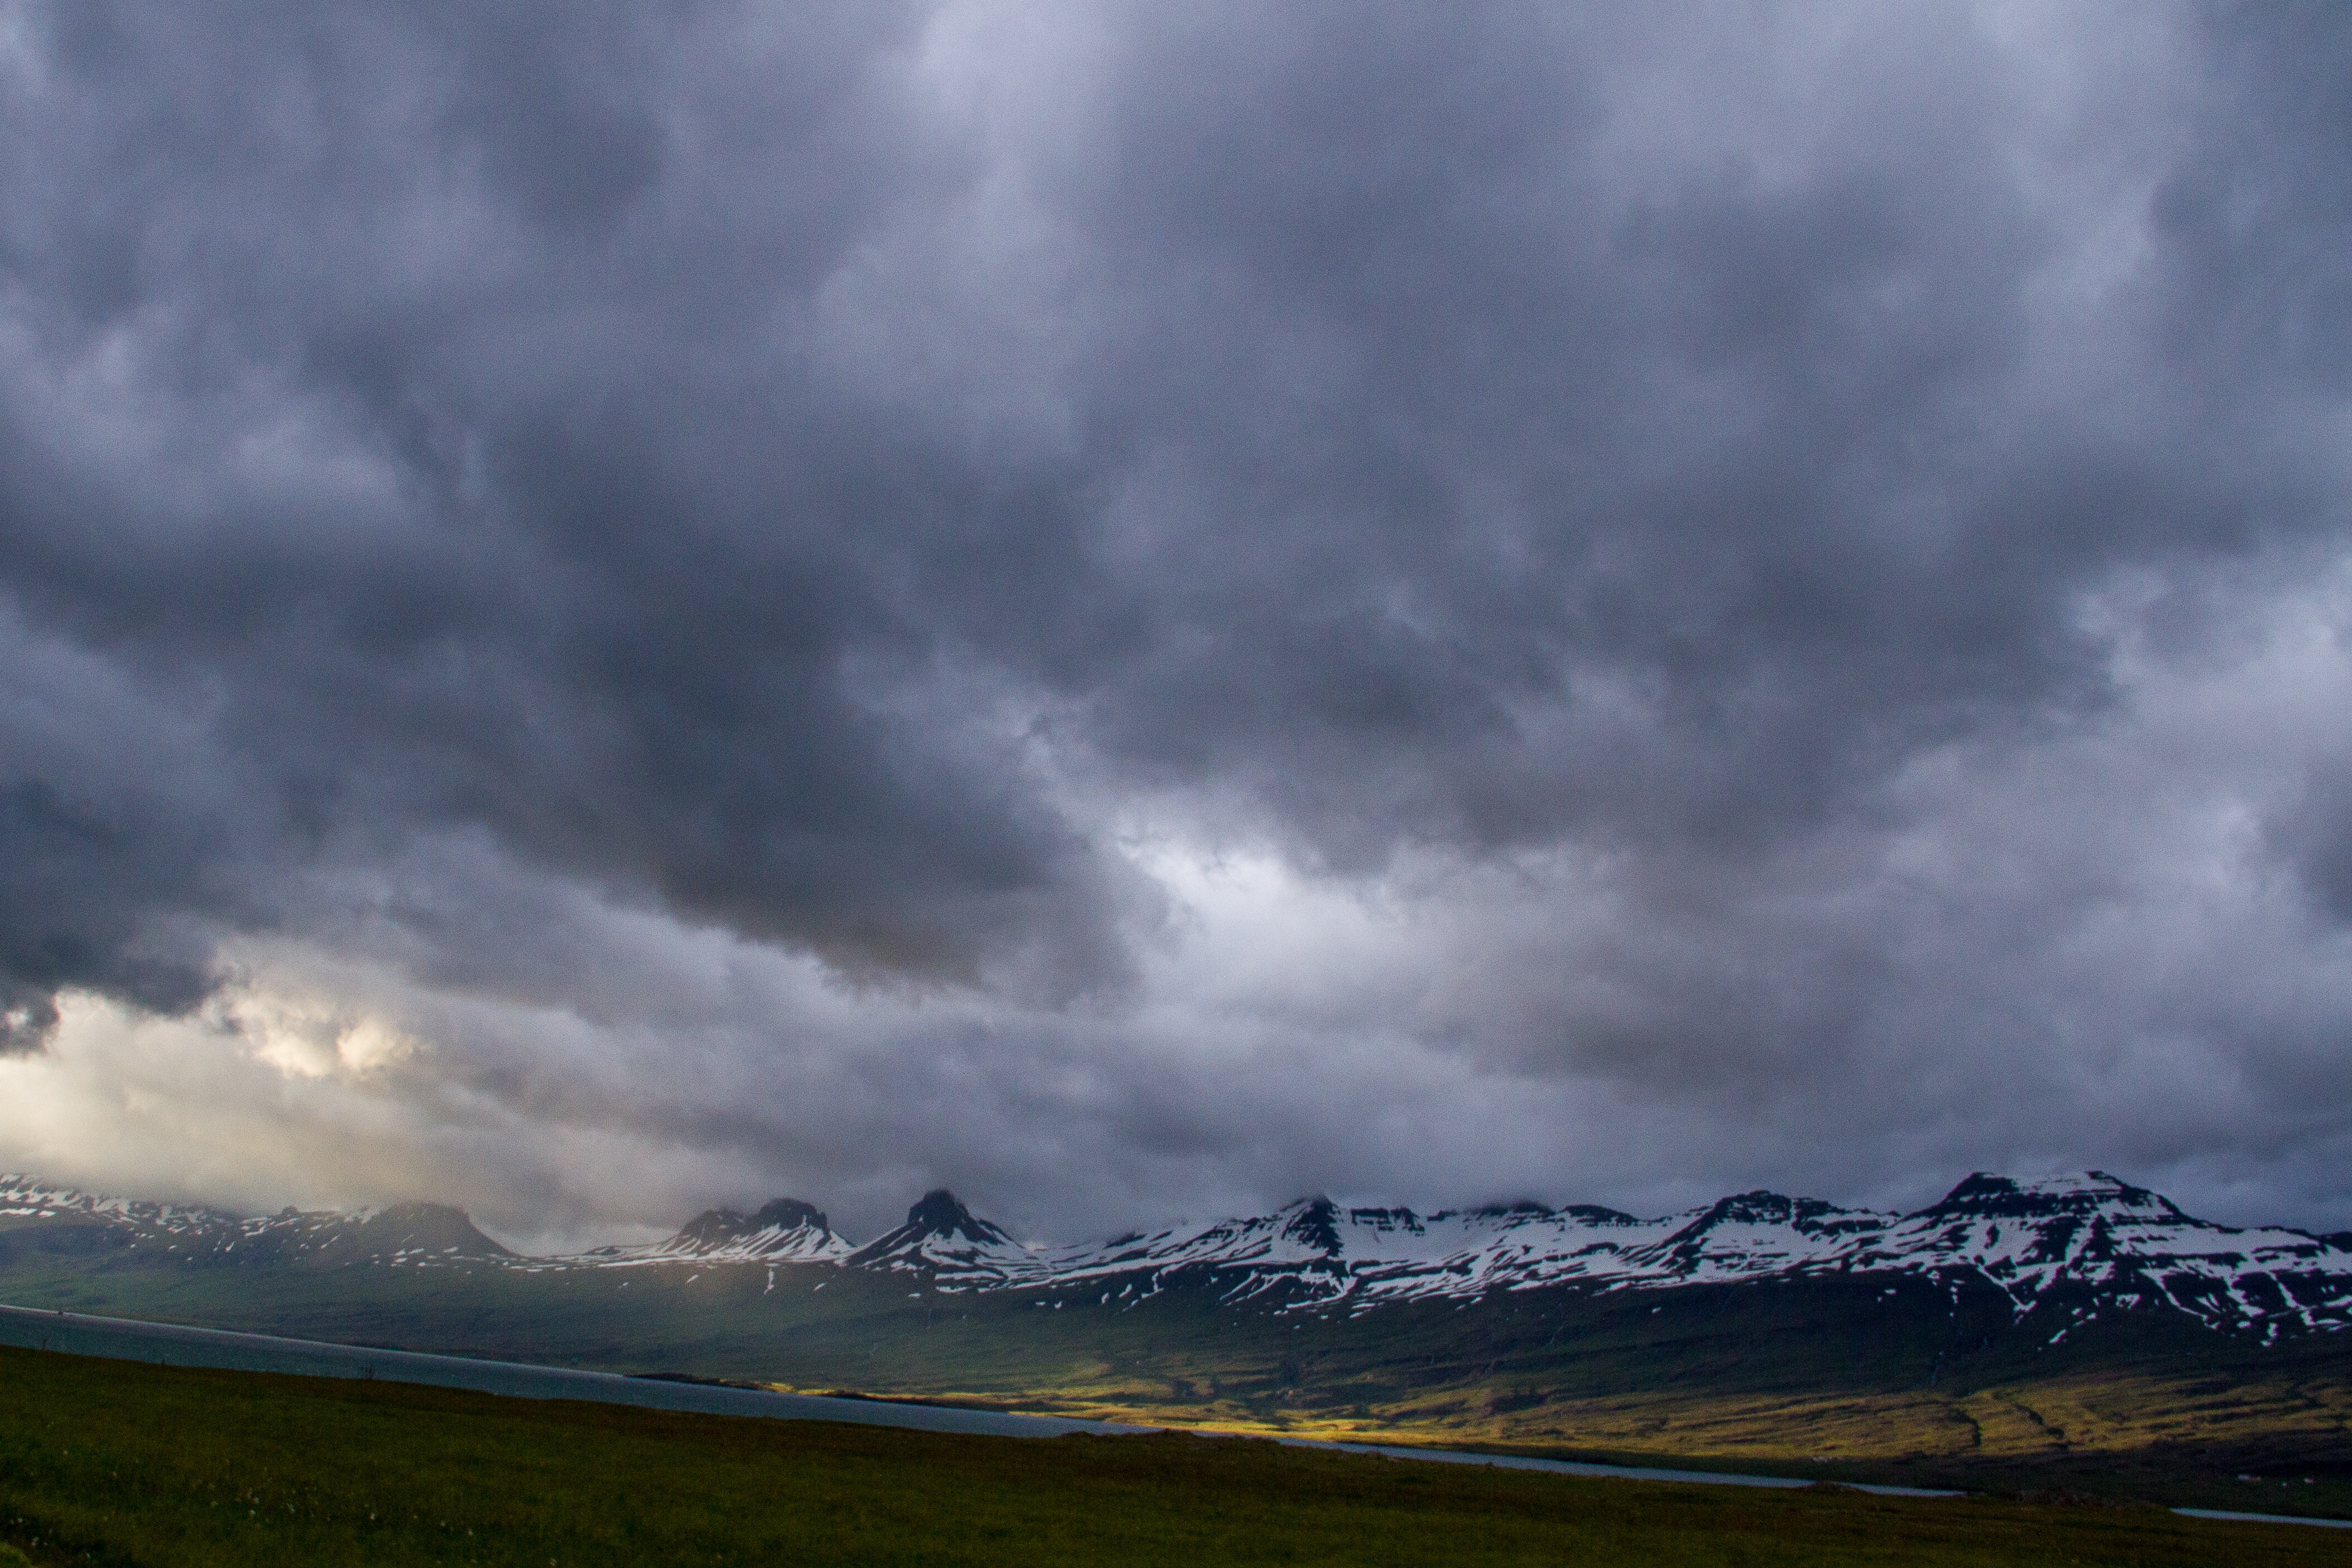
x=601 y=611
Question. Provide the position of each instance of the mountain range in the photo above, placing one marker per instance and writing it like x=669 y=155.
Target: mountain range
x=2012 y=1333
x=2059 y=1253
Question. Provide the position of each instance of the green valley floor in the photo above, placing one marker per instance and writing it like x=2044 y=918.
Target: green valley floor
x=110 y=1463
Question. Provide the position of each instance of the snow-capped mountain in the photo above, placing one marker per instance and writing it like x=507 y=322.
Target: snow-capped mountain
x=2091 y=1242
x=946 y=1240
x=2087 y=1237
x=2060 y=1251
x=1325 y=1253
x=26 y=1198
x=784 y=1231
x=403 y=1235
x=2125 y=1244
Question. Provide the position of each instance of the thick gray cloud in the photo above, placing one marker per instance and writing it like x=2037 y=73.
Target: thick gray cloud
x=1773 y=584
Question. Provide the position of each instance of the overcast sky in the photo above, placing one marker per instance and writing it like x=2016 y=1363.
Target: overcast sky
x=1145 y=609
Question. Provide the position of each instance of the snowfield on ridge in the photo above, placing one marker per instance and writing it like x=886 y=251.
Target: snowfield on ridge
x=2077 y=1246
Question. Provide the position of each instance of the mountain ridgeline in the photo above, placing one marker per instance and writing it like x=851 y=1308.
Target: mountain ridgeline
x=2054 y=1255
x=2062 y=1251
x=410 y=1234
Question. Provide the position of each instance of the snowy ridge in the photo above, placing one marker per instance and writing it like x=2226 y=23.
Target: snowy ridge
x=2124 y=1243
x=27 y=1198
x=2063 y=1250
x=945 y=1240
x=2080 y=1244
x=1326 y=1254
x=2074 y=1246
x=783 y=1231
x=404 y=1234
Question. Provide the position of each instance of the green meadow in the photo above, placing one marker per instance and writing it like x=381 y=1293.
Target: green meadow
x=113 y=1463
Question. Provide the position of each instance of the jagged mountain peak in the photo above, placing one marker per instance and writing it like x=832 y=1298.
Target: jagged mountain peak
x=720 y=1227
x=1765 y=1210
x=1761 y=1206
x=1984 y=1195
x=1314 y=1222
x=942 y=1236
x=782 y=1230
x=940 y=1214
x=787 y=1213
x=712 y=1227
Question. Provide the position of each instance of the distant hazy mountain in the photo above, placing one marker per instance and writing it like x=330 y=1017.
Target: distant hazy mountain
x=411 y=1235
x=2063 y=1252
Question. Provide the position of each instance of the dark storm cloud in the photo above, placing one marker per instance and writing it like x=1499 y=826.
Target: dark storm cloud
x=1485 y=432
x=599 y=590
x=828 y=473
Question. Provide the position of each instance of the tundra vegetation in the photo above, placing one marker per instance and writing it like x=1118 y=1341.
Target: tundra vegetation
x=112 y=1463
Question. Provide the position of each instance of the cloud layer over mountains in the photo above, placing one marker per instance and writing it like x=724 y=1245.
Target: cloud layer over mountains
x=1128 y=606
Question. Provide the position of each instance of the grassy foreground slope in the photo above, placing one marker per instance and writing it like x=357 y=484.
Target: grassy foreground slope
x=110 y=1463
